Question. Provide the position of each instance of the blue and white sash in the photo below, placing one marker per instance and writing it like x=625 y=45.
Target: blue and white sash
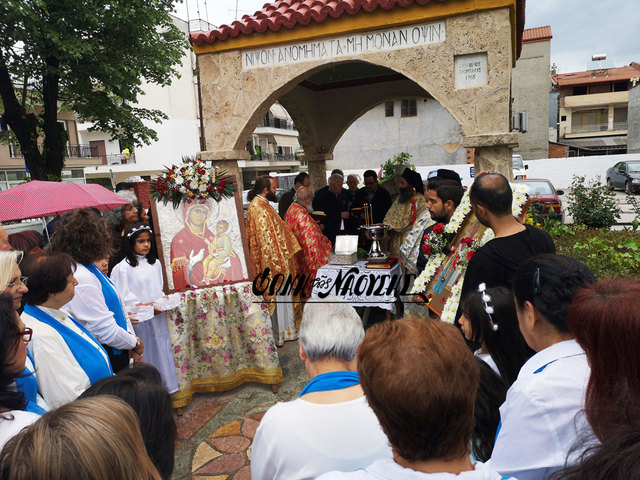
x=331 y=381
x=93 y=362
x=111 y=298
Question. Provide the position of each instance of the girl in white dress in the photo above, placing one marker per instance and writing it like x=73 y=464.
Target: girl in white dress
x=139 y=278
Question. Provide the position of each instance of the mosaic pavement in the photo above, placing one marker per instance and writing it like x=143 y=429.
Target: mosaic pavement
x=216 y=429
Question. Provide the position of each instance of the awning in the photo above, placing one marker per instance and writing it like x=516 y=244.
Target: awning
x=286 y=141
x=596 y=142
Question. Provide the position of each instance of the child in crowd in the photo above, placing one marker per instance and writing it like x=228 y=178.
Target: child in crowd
x=139 y=278
x=489 y=322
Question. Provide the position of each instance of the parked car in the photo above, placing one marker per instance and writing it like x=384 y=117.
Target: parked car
x=624 y=175
x=545 y=197
x=519 y=167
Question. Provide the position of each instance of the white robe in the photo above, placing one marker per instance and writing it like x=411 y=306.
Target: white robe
x=143 y=284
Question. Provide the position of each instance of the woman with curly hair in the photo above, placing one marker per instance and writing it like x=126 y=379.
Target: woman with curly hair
x=97 y=305
x=118 y=219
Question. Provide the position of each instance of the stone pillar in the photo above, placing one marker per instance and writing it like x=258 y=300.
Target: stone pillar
x=228 y=160
x=492 y=152
x=318 y=169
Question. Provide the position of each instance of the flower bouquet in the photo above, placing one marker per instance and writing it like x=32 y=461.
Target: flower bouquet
x=192 y=180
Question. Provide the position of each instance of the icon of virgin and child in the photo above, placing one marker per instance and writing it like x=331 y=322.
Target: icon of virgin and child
x=198 y=257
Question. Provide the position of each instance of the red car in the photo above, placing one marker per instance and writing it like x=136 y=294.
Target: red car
x=545 y=197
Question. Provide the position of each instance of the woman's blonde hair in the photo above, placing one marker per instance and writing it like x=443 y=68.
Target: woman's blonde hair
x=7 y=262
x=94 y=438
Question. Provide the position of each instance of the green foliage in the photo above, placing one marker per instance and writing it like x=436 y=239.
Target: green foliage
x=87 y=56
x=591 y=204
x=362 y=253
x=608 y=253
x=389 y=167
x=635 y=205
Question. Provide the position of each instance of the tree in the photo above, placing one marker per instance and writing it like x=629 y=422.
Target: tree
x=86 y=56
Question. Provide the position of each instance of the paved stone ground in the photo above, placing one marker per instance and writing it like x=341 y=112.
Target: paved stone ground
x=216 y=429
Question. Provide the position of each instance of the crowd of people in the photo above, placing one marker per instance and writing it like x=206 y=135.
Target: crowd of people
x=537 y=379
x=66 y=334
x=534 y=381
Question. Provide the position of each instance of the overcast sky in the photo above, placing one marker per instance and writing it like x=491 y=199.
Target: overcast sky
x=580 y=28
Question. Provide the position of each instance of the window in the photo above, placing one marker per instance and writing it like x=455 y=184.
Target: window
x=409 y=108
x=620 y=87
x=590 y=121
x=388 y=109
x=620 y=118
x=580 y=90
x=563 y=118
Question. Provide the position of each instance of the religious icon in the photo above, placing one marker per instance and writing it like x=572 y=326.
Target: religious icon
x=202 y=241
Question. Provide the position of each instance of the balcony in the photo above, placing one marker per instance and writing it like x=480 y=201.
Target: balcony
x=275 y=157
x=277 y=123
x=594 y=100
x=71 y=151
x=118 y=159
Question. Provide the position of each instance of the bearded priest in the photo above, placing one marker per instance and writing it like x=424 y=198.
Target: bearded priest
x=405 y=209
x=272 y=246
x=315 y=247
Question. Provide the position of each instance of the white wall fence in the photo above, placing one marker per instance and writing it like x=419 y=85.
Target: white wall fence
x=560 y=171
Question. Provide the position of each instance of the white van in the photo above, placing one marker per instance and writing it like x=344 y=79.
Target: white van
x=519 y=167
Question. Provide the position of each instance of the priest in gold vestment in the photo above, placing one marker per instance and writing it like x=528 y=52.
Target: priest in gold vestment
x=314 y=246
x=405 y=209
x=272 y=245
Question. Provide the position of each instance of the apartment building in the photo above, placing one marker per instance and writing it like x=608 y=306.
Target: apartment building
x=593 y=108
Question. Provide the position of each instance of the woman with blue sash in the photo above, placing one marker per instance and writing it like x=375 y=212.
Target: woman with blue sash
x=15 y=411
x=68 y=358
x=97 y=305
x=331 y=426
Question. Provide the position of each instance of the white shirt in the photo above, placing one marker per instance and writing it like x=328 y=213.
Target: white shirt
x=13 y=422
x=90 y=309
x=60 y=378
x=142 y=283
x=542 y=417
x=387 y=469
x=301 y=440
x=486 y=358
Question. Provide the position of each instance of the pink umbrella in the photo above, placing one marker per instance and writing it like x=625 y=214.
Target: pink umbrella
x=41 y=199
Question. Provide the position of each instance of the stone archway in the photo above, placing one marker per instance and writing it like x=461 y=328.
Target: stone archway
x=460 y=52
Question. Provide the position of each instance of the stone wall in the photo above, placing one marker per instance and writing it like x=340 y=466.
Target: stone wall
x=633 y=121
x=530 y=87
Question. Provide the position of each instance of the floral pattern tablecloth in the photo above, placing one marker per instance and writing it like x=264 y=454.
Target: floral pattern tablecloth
x=221 y=338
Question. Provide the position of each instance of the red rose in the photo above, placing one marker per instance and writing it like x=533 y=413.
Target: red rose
x=467 y=240
x=438 y=228
x=223 y=182
x=426 y=249
x=470 y=254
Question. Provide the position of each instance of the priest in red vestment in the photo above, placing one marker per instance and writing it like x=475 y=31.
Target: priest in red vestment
x=315 y=247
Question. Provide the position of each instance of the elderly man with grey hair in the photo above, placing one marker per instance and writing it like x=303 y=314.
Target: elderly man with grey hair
x=335 y=205
x=330 y=426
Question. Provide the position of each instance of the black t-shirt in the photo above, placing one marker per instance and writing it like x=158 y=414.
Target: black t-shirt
x=496 y=262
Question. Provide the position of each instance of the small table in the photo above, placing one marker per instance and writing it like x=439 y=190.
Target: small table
x=360 y=286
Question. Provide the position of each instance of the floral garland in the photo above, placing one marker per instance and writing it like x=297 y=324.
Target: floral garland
x=466 y=250
x=192 y=180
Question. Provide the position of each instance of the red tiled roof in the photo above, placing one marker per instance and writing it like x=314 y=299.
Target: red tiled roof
x=598 y=76
x=537 y=34
x=290 y=13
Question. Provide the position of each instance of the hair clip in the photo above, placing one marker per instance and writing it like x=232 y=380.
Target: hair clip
x=487 y=307
x=536 y=289
x=139 y=229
